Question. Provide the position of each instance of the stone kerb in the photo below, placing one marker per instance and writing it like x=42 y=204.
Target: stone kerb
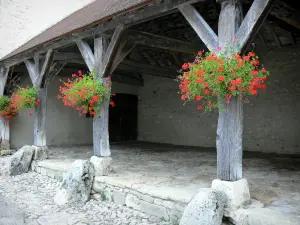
x=165 y=209
x=237 y=194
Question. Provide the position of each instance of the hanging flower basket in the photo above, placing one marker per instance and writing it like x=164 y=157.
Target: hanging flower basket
x=24 y=98
x=84 y=93
x=211 y=78
x=20 y=99
x=7 y=110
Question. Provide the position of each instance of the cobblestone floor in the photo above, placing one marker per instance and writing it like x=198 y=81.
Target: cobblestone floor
x=31 y=195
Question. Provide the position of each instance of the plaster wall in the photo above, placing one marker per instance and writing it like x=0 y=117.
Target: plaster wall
x=271 y=120
x=21 y=20
x=63 y=124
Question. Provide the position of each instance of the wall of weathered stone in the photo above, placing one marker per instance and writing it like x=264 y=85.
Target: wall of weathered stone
x=63 y=124
x=271 y=123
x=21 y=20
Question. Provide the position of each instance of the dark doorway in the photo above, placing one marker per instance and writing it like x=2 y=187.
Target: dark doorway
x=123 y=118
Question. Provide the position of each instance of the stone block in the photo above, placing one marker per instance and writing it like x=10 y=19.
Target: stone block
x=20 y=161
x=236 y=192
x=6 y=152
x=40 y=152
x=76 y=185
x=146 y=207
x=102 y=165
x=205 y=208
x=4 y=145
x=119 y=197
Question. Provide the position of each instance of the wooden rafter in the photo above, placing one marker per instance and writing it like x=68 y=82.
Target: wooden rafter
x=37 y=74
x=253 y=21
x=286 y=13
x=161 y=42
x=200 y=26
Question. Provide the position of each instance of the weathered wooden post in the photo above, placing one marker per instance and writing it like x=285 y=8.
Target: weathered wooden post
x=38 y=75
x=4 y=124
x=103 y=61
x=230 y=123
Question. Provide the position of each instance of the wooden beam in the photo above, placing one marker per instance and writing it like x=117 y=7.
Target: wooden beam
x=31 y=68
x=262 y=39
x=40 y=119
x=230 y=121
x=87 y=53
x=112 y=49
x=200 y=26
x=3 y=79
x=125 y=47
x=286 y=13
x=100 y=121
x=4 y=124
x=253 y=21
x=55 y=69
x=149 y=12
x=270 y=27
x=161 y=42
x=45 y=69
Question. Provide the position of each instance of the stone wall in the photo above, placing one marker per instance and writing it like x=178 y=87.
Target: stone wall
x=63 y=124
x=271 y=120
x=21 y=20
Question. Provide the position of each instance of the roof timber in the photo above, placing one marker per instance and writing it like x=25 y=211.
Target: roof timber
x=137 y=16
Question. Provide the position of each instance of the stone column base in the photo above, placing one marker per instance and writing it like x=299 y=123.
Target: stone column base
x=236 y=192
x=4 y=145
x=40 y=152
x=102 y=165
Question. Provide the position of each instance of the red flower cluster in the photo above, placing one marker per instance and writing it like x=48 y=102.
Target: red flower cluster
x=84 y=93
x=21 y=98
x=226 y=75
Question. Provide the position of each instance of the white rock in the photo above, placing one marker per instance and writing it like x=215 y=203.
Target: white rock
x=237 y=194
x=102 y=165
x=205 y=208
x=20 y=161
x=76 y=185
x=40 y=153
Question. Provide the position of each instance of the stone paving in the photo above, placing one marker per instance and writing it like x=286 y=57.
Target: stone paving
x=28 y=199
x=176 y=173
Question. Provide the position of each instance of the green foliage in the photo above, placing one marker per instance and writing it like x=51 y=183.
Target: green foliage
x=84 y=92
x=213 y=77
x=4 y=102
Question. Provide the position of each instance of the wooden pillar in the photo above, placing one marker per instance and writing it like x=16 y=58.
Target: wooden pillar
x=103 y=61
x=230 y=122
x=4 y=124
x=38 y=76
x=101 y=120
x=40 y=119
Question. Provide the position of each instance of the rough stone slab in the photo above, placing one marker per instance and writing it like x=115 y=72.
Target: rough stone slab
x=206 y=208
x=146 y=207
x=264 y=216
x=6 y=152
x=119 y=197
x=20 y=161
x=76 y=185
x=237 y=194
x=102 y=165
x=40 y=153
x=4 y=145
